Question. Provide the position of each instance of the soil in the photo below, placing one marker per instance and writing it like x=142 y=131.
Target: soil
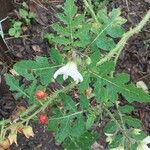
x=135 y=60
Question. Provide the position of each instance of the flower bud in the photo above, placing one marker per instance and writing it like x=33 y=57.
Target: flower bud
x=4 y=144
x=13 y=138
x=43 y=119
x=40 y=95
x=28 y=132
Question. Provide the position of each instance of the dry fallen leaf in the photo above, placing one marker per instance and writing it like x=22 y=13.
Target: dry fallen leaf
x=97 y=146
x=141 y=84
x=36 y=48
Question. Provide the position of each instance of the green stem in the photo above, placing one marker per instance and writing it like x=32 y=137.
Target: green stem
x=49 y=100
x=45 y=68
x=119 y=47
x=91 y=10
x=121 y=127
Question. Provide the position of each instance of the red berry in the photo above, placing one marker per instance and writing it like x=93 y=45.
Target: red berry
x=40 y=95
x=43 y=119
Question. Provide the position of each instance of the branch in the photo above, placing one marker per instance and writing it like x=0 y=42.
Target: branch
x=119 y=47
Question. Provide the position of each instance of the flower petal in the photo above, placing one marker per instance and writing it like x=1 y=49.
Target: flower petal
x=143 y=147
x=146 y=140
x=60 y=71
x=70 y=69
x=65 y=76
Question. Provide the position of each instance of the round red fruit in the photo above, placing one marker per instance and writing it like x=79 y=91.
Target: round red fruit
x=40 y=95
x=43 y=119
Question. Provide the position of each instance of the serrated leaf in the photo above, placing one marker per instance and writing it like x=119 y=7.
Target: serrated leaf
x=84 y=102
x=85 y=84
x=107 y=68
x=61 y=30
x=79 y=127
x=105 y=43
x=115 y=31
x=95 y=57
x=15 y=86
x=61 y=40
x=65 y=19
x=53 y=125
x=64 y=130
x=90 y=121
x=68 y=102
x=102 y=15
x=77 y=20
x=83 y=142
x=56 y=56
x=118 y=85
x=69 y=8
x=40 y=67
x=23 y=68
x=116 y=12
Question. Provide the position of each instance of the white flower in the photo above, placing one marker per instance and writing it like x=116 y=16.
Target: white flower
x=118 y=148
x=143 y=144
x=70 y=69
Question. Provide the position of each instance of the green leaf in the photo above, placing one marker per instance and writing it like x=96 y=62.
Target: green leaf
x=138 y=137
x=61 y=40
x=84 y=102
x=68 y=102
x=48 y=36
x=95 y=57
x=44 y=70
x=65 y=19
x=77 y=20
x=85 y=84
x=79 y=127
x=117 y=140
x=83 y=142
x=126 y=109
x=12 y=31
x=115 y=31
x=56 y=56
x=40 y=67
x=23 y=13
x=132 y=122
x=90 y=121
x=103 y=17
x=69 y=8
x=110 y=127
x=107 y=68
x=112 y=86
x=64 y=130
x=60 y=30
x=15 y=86
x=105 y=43
x=17 y=24
x=116 y=12
x=18 y=33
